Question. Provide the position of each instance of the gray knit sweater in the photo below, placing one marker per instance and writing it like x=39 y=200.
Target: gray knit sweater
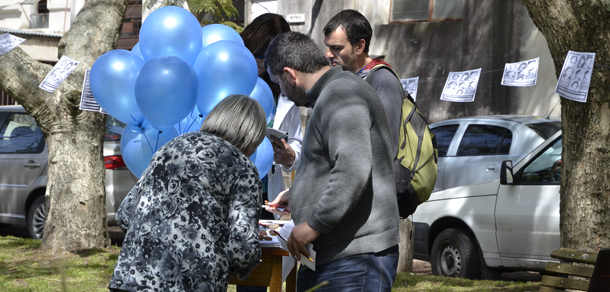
x=344 y=185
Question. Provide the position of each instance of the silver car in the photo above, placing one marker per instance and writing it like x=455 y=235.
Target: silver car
x=471 y=149
x=23 y=170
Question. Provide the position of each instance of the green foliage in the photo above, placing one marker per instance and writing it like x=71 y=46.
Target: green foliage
x=206 y=11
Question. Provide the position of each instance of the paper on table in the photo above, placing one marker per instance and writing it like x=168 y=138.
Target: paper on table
x=285 y=233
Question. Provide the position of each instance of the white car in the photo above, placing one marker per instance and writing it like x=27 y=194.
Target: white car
x=471 y=149
x=511 y=223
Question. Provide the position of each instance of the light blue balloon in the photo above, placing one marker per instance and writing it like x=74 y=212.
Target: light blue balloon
x=136 y=50
x=171 y=31
x=263 y=157
x=139 y=144
x=218 y=32
x=191 y=123
x=112 y=80
x=166 y=91
x=263 y=94
x=224 y=68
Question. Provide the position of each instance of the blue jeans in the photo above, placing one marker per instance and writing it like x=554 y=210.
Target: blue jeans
x=364 y=272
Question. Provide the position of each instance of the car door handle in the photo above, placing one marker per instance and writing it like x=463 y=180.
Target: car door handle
x=491 y=168
x=31 y=164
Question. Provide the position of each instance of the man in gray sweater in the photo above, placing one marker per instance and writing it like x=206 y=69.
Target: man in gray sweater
x=343 y=198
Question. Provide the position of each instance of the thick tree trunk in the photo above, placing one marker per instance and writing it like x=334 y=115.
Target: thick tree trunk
x=76 y=208
x=582 y=26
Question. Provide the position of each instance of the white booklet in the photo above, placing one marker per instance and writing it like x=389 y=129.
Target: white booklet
x=285 y=233
x=277 y=134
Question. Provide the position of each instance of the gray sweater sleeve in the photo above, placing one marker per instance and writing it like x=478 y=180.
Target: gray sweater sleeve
x=391 y=93
x=348 y=134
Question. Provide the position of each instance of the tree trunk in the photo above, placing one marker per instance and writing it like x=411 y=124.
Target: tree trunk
x=405 y=246
x=582 y=26
x=76 y=207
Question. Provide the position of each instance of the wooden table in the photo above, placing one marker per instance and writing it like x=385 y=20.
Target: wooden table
x=269 y=272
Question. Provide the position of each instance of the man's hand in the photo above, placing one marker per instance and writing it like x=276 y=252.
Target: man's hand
x=300 y=236
x=282 y=152
x=281 y=201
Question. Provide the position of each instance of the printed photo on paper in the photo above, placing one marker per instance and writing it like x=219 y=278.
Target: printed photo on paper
x=87 y=102
x=58 y=74
x=9 y=42
x=461 y=86
x=524 y=73
x=410 y=85
x=575 y=76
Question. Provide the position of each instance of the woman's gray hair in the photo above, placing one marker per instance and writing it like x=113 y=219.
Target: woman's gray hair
x=238 y=119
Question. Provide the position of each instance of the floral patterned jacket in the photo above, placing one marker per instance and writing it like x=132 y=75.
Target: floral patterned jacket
x=191 y=221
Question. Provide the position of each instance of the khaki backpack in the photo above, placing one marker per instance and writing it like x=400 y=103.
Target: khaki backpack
x=415 y=165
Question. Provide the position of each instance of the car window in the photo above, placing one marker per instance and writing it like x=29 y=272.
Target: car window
x=444 y=135
x=21 y=134
x=546 y=167
x=485 y=140
x=114 y=129
x=545 y=130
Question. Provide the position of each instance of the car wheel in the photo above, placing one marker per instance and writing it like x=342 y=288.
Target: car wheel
x=36 y=217
x=454 y=254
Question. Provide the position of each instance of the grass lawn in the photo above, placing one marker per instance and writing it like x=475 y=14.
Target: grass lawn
x=24 y=267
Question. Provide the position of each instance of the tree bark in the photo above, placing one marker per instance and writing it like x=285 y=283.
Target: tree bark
x=75 y=194
x=405 y=246
x=582 y=26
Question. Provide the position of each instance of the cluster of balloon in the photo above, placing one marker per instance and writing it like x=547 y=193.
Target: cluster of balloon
x=171 y=79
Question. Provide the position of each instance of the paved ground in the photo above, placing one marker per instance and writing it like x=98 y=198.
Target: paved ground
x=419 y=267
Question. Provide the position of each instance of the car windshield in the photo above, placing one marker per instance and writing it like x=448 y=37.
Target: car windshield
x=547 y=129
x=114 y=129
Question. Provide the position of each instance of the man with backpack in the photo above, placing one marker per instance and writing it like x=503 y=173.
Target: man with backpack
x=347 y=37
x=342 y=199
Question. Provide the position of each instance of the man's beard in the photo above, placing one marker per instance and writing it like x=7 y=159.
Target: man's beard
x=297 y=95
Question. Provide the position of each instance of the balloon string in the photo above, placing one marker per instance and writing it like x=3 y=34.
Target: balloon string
x=149 y=146
x=157 y=143
x=189 y=127
x=134 y=119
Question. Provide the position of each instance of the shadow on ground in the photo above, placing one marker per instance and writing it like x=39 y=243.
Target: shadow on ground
x=424 y=268
x=419 y=267
x=115 y=233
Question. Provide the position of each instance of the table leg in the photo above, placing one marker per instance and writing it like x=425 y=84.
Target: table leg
x=275 y=284
x=291 y=280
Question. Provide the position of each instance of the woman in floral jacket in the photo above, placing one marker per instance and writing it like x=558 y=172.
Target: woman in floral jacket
x=191 y=221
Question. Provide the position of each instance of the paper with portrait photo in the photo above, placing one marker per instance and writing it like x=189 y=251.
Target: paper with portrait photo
x=410 y=85
x=87 y=102
x=575 y=76
x=9 y=42
x=461 y=86
x=58 y=74
x=524 y=73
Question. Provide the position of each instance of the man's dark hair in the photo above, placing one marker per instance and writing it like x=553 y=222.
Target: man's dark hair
x=294 y=50
x=356 y=27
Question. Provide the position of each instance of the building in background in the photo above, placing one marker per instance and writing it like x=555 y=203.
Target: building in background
x=42 y=23
x=430 y=38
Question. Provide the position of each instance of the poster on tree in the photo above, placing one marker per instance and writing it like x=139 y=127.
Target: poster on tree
x=575 y=76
